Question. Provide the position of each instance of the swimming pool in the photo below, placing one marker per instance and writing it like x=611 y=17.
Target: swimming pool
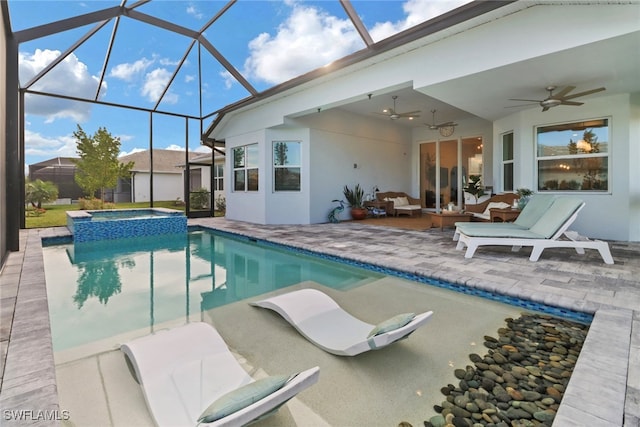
x=101 y=289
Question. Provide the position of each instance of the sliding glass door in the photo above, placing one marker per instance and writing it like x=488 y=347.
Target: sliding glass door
x=445 y=168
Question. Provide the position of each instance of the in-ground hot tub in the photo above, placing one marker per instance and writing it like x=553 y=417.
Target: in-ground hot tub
x=89 y=226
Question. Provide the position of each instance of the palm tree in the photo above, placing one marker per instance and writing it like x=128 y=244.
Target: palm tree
x=39 y=192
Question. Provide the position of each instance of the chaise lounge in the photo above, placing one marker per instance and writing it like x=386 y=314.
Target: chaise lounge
x=189 y=377
x=542 y=224
x=323 y=322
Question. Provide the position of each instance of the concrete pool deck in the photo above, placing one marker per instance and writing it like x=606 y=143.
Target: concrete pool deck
x=605 y=387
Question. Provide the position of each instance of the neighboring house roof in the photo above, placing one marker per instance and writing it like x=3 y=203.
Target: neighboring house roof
x=205 y=159
x=56 y=161
x=164 y=161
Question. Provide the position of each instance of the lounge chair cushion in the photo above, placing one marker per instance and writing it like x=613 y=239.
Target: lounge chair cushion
x=397 y=321
x=551 y=221
x=538 y=204
x=500 y=232
x=242 y=397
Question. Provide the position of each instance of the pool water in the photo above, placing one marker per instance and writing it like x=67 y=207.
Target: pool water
x=125 y=214
x=101 y=289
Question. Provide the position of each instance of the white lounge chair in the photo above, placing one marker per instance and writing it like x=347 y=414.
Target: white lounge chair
x=543 y=225
x=323 y=322
x=184 y=370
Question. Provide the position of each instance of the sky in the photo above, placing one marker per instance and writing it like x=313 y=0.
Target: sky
x=267 y=41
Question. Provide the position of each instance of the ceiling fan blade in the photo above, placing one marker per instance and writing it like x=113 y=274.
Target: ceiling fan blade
x=409 y=113
x=564 y=92
x=587 y=92
x=522 y=105
x=525 y=100
x=445 y=124
x=571 y=103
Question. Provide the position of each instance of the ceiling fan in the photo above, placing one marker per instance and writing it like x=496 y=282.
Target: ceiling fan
x=560 y=98
x=445 y=129
x=394 y=115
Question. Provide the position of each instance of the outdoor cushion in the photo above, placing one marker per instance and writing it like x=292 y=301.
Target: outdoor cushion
x=408 y=207
x=395 y=322
x=400 y=201
x=495 y=205
x=555 y=216
x=242 y=397
x=534 y=209
x=502 y=232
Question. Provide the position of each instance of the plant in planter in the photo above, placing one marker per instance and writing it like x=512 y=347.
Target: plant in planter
x=355 y=199
x=475 y=187
x=524 y=194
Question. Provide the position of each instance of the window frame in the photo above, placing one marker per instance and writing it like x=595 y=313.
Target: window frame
x=276 y=166
x=218 y=177
x=510 y=161
x=571 y=158
x=246 y=168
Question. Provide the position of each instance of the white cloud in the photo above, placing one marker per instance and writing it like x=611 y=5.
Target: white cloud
x=309 y=38
x=155 y=83
x=228 y=79
x=133 y=150
x=193 y=11
x=199 y=149
x=189 y=78
x=417 y=11
x=37 y=144
x=70 y=77
x=129 y=71
x=125 y=137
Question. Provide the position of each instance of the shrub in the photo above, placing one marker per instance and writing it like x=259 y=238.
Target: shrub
x=221 y=203
x=94 y=204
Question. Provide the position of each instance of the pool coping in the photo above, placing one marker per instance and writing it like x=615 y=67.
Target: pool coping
x=595 y=395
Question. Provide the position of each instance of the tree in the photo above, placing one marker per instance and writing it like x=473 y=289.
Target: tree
x=38 y=192
x=98 y=166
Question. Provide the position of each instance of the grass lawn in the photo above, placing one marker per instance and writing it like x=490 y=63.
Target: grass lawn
x=55 y=215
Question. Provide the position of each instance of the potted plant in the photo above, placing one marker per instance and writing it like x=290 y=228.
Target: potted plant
x=475 y=187
x=355 y=199
x=524 y=194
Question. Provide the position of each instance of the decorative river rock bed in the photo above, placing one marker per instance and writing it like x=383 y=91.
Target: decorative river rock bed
x=520 y=381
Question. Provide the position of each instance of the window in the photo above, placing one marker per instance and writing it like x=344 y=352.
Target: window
x=574 y=156
x=245 y=168
x=507 y=162
x=286 y=165
x=218 y=177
